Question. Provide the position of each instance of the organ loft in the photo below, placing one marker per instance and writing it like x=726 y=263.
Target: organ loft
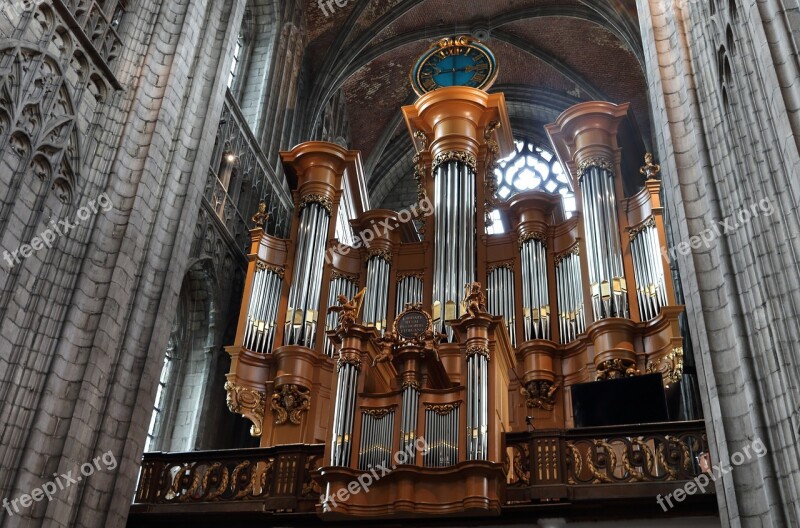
x=481 y=371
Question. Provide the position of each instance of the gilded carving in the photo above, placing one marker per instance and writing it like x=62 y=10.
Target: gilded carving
x=277 y=270
x=289 y=403
x=635 y=230
x=385 y=254
x=540 y=394
x=650 y=170
x=536 y=235
x=348 y=309
x=616 y=368
x=670 y=366
x=600 y=163
x=479 y=350
x=247 y=402
x=351 y=358
x=501 y=265
x=474 y=299
x=338 y=275
x=455 y=155
x=574 y=250
x=320 y=199
x=442 y=409
x=416 y=274
x=261 y=217
x=377 y=413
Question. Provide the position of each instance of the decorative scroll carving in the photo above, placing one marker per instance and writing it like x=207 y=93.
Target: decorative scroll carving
x=574 y=250
x=474 y=299
x=377 y=413
x=536 y=235
x=247 y=402
x=420 y=175
x=415 y=274
x=349 y=358
x=320 y=199
x=670 y=366
x=540 y=394
x=290 y=403
x=413 y=383
x=442 y=409
x=479 y=350
x=277 y=270
x=385 y=254
x=650 y=170
x=261 y=217
x=455 y=155
x=500 y=265
x=490 y=180
x=348 y=310
x=616 y=368
x=635 y=230
x=338 y=275
x=600 y=163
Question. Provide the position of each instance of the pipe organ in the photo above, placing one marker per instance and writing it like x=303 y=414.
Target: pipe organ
x=415 y=356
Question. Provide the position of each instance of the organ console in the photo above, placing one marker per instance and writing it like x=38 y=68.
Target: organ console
x=393 y=345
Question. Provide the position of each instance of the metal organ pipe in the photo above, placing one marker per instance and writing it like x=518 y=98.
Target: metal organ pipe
x=409 y=291
x=454 y=262
x=302 y=313
x=263 y=309
x=375 y=301
x=344 y=412
x=570 y=296
x=606 y=275
x=649 y=270
x=535 y=295
x=501 y=297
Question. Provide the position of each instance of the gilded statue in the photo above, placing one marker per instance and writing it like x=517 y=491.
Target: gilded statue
x=474 y=299
x=348 y=309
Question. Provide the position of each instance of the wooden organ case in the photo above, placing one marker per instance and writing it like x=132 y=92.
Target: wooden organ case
x=435 y=349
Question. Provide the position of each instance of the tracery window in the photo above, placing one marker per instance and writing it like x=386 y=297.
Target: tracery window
x=531 y=166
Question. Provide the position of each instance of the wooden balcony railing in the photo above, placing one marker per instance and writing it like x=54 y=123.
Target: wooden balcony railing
x=628 y=461
x=276 y=479
x=586 y=466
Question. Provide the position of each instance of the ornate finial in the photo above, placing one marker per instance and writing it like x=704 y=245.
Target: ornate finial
x=650 y=170
x=261 y=217
x=474 y=299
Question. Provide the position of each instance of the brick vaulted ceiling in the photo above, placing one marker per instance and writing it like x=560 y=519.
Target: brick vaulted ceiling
x=552 y=54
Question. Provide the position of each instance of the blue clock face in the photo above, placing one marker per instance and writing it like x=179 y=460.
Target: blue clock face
x=454 y=62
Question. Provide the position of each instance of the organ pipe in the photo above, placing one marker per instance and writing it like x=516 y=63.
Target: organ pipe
x=603 y=247
x=535 y=296
x=409 y=291
x=477 y=402
x=441 y=435
x=569 y=288
x=263 y=308
x=651 y=290
x=408 y=425
x=377 y=426
x=377 y=294
x=501 y=297
x=302 y=312
x=454 y=260
x=344 y=412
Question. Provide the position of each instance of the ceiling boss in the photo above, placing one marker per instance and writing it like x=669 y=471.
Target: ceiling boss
x=457 y=61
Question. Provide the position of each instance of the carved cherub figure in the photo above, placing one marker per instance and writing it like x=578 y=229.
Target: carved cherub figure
x=387 y=344
x=474 y=299
x=348 y=309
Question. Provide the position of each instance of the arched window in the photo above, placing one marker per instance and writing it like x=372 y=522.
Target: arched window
x=532 y=166
x=238 y=56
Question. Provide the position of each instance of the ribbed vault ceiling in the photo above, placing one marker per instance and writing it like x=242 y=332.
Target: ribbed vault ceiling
x=552 y=54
